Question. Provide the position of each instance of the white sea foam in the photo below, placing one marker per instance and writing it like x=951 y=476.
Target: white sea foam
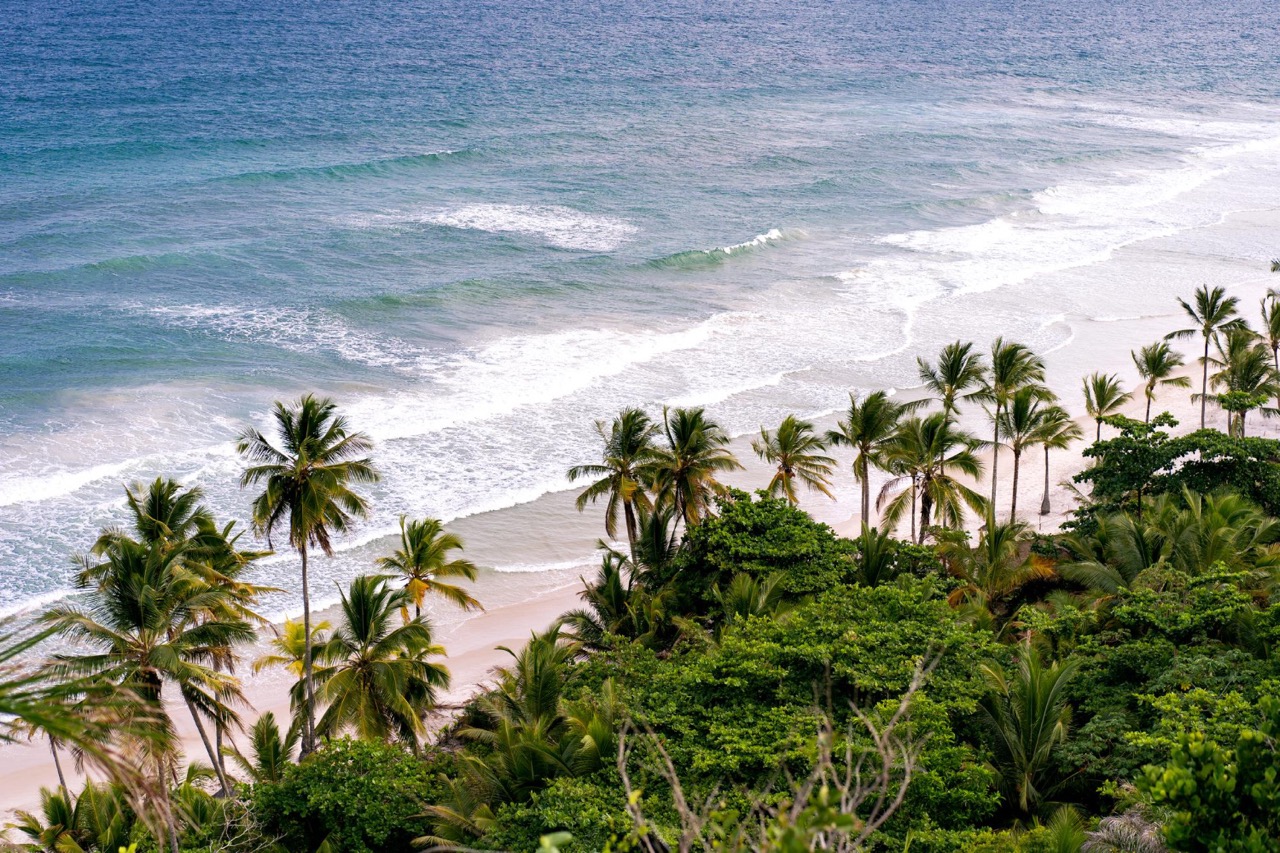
x=773 y=235
x=554 y=225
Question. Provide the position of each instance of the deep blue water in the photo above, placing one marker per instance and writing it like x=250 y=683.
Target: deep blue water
x=480 y=225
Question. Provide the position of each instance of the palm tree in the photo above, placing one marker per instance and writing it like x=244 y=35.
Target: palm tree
x=423 y=558
x=931 y=453
x=1020 y=423
x=958 y=369
x=1027 y=717
x=869 y=427
x=1246 y=376
x=1103 y=397
x=150 y=622
x=1013 y=366
x=797 y=452
x=271 y=752
x=992 y=571
x=1057 y=431
x=1271 y=330
x=1213 y=312
x=307 y=481
x=1156 y=364
x=625 y=472
x=374 y=673
x=685 y=470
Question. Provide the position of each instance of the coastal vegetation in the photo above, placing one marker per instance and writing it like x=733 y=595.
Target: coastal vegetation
x=739 y=676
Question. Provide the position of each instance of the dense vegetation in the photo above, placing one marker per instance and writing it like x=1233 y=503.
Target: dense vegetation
x=739 y=677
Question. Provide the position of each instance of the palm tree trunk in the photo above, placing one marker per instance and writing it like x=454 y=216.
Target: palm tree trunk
x=1204 y=381
x=309 y=697
x=1147 y=419
x=208 y=746
x=1240 y=423
x=926 y=504
x=167 y=805
x=913 y=507
x=1098 y=436
x=632 y=531
x=1013 y=503
x=57 y=764
x=1044 y=504
x=866 y=494
x=995 y=459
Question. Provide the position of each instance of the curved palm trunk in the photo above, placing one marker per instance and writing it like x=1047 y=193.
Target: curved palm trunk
x=57 y=765
x=1147 y=418
x=1044 y=504
x=1013 y=503
x=309 y=711
x=1098 y=436
x=208 y=745
x=1204 y=380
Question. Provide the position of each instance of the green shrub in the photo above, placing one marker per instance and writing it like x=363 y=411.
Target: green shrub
x=364 y=797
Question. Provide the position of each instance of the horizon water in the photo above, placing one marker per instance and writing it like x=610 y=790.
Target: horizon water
x=480 y=227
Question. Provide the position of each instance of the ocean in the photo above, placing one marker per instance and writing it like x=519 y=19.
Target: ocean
x=482 y=225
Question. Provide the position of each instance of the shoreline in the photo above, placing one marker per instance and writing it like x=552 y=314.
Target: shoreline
x=548 y=531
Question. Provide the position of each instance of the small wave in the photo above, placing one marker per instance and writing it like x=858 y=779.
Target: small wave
x=587 y=562
x=383 y=167
x=695 y=259
x=557 y=226
x=294 y=329
x=35 y=602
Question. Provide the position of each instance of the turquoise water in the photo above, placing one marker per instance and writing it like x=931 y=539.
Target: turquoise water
x=480 y=226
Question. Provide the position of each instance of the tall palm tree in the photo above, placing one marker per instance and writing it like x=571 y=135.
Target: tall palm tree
x=931 y=453
x=797 y=452
x=375 y=673
x=1103 y=397
x=1020 y=424
x=685 y=470
x=1246 y=377
x=868 y=427
x=1028 y=716
x=1156 y=364
x=624 y=473
x=1271 y=329
x=151 y=622
x=1213 y=313
x=1056 y=431
x=1013 y=366
x=307 y=483
x=423 y=559
x=958 y=370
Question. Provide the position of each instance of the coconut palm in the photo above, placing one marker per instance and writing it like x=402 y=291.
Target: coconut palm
x=1013 y=366
x=1020 y=425
x=1056 y=431
x=1028 y=716
x=958 y=370
x=1156 y=364
x=307 y=483
x=992 y=571
x=929 y=454
x=797 y=452
x=98 y=819
x=270 y=751
x=1213 y=313
x=685 y=470
x=375 y=674
x=1103 y=396
x=423 y=559
x=1245 y=378
x=624 y=473
x=868 y=427
x=151 y=622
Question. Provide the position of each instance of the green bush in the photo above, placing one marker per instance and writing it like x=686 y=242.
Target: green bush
x=363 y=796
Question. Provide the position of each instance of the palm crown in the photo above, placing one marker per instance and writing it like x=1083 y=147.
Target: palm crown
x=797 y=452
x=423 y=559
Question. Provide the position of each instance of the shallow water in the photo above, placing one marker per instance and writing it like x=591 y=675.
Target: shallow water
x=480 y=227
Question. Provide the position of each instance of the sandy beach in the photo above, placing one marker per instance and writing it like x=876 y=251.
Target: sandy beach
x=557 y=544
